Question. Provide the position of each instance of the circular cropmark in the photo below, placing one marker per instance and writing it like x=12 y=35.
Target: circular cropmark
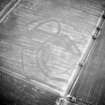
x=54 y=56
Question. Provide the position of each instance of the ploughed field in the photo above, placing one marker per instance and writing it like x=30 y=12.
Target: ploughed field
x=44 y=40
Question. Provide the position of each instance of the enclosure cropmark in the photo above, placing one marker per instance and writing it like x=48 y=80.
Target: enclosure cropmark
x=50 y=47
